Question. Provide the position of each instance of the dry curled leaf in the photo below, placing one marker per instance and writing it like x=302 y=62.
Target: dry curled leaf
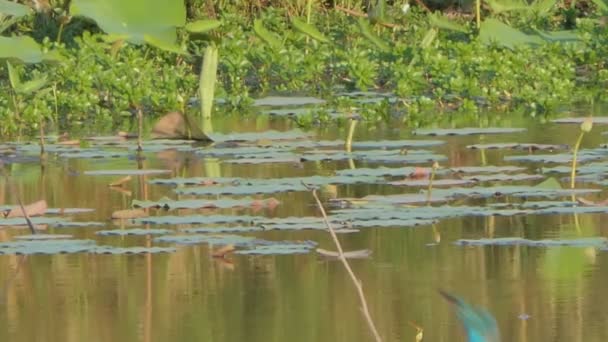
x=120 y=182
x=34 y=209
x=223 y=251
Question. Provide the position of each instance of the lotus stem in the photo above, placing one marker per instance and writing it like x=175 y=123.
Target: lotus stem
x=574 y=156
x=353 y=277
x=430 y=188
x=140 y=129
x=478 y=13
x=349 y=138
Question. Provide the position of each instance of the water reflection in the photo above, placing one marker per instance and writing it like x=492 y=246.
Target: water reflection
x=536 y=294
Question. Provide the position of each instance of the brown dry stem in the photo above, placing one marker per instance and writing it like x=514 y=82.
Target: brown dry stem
x=353 y=277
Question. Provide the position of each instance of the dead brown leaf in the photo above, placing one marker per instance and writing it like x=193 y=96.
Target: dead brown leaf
x=34 y=209
x=120 y=182
x=223 y=251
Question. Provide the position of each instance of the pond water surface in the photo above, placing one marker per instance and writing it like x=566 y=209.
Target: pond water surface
x=536 y=293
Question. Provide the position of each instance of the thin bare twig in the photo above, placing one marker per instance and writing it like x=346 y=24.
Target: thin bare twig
x=16 y=193
x=352 y=275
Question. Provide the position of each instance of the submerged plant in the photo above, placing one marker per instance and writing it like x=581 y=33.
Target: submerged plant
x=585 y=127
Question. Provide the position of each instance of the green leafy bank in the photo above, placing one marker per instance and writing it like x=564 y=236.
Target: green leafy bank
x=508 y=55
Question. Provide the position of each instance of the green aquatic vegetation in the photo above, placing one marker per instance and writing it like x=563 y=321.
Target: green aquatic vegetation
x=585 y=127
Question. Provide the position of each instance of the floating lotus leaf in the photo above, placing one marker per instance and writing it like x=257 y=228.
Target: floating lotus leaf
x=385 y=156
x=20 y=221
x=195 y=219
x=43 y=237
x=134 y=231
x=213 y=204
x=241 y=189
x=194 y=181
x=255 y=136
x=467 y=131
x=274 y=185
x=131 y=250
x=486 y=169
x=93 y=154
x=600 y=120
x=236 y=240
x=360 y=254
x=504 y=177
x=377 y=172
x=436 y=182
x=518 y=146
x=279 y=249
x=126 y=172
x=595 y=168
x=46 y=246
x=215 y=230
x=285 y=158
x=279 y=101
x=76 y=224
x=298 y=223
x=583 y=156
x=581 y=242
x=245 y=152
x=395 y=144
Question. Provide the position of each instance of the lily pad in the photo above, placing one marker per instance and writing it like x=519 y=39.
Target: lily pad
x=208 y=204
x=134 y=232
x=255 y=136
x=581 y=242
x=279 y=249
x=46 y=246
x=518 y=146
x=93 y=154
x=215 y=230
x=600 y=120
x=131 y=250
x=467 y=131
x=126 y=172
x=436 y=182
x=486 y=169
x=195 y=219
x=236 y=240
x=43 y=237
x=583 y=156
x=504 y=177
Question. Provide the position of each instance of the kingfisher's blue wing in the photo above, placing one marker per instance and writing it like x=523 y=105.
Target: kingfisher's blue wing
x=479 y=324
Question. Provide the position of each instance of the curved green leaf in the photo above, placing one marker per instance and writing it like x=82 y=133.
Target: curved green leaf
x=267 y=36
x=13 y=9
x=366 y=31
x=492 y=30
x=31 y=86
x=443 y=22
x=24 y=49
x=508 y=5
x=429 y=37
x=207 y=85
x=308 y=30
x=13 y=76
x=202 y=26
x=164 y=45
x=152 y=21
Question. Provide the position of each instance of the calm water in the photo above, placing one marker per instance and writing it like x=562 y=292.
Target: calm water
x=189 y=296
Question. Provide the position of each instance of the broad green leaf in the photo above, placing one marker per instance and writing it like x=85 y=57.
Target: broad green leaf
x=544 y=6
x=602 y=5
x=308 y=30
x=508 y=5
x=24 y=49
x=164 y=45
x=443 y=22
x=32 y=86
x=207 y=84
x=202 y=26
x=13 y=76
x=492 y=30
x=366 y=31
x=429 y=37
x=152 y=21
x=13 y=9
x=559 y=36
x=267 y=36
